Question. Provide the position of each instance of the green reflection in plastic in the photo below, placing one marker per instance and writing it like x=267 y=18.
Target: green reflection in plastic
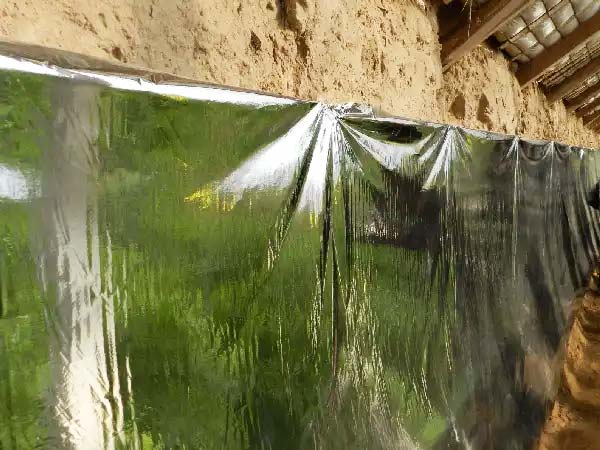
x=217 y=344
x=185 y=274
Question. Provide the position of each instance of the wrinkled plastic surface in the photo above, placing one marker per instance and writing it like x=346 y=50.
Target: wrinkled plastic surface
x=242 y=271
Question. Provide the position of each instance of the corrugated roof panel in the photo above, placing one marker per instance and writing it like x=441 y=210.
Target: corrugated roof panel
x=544 y=23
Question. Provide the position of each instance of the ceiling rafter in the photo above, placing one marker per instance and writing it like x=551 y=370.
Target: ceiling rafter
x=592 y=120
x=589 y=108
x=484 y=21
x=574 y=81
x=531 y=71
x=583 y=98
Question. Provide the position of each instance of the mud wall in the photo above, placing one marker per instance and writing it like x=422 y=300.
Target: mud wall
x=383 y=52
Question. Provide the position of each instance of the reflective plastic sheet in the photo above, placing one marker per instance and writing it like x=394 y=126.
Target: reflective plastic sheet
x=196 y=267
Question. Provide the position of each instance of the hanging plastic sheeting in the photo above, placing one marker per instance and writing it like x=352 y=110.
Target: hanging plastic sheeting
x=196 y=267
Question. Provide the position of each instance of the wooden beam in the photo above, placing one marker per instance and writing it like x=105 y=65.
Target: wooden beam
x=531 y=71
x=582 y=98
x=591 y=120
x=588 y=108
x=485 y=21
x=574 y=81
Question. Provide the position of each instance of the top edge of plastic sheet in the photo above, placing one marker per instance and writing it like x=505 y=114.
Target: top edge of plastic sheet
x=42 y=61
x=61 y=64
x=481 y=134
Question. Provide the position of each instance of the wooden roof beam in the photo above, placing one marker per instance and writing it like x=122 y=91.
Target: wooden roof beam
x=531 y=71
x=590 y=108
x=574 y=81
x=592 y=120
x=485 y=21
x=583 y=98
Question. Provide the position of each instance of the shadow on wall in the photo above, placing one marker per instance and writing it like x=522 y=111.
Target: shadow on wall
x=287 y=13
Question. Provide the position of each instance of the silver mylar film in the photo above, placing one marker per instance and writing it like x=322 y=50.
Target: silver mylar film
x=192 y=266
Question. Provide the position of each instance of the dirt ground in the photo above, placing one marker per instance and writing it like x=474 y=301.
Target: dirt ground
x=574 y=420
x=383 y=52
